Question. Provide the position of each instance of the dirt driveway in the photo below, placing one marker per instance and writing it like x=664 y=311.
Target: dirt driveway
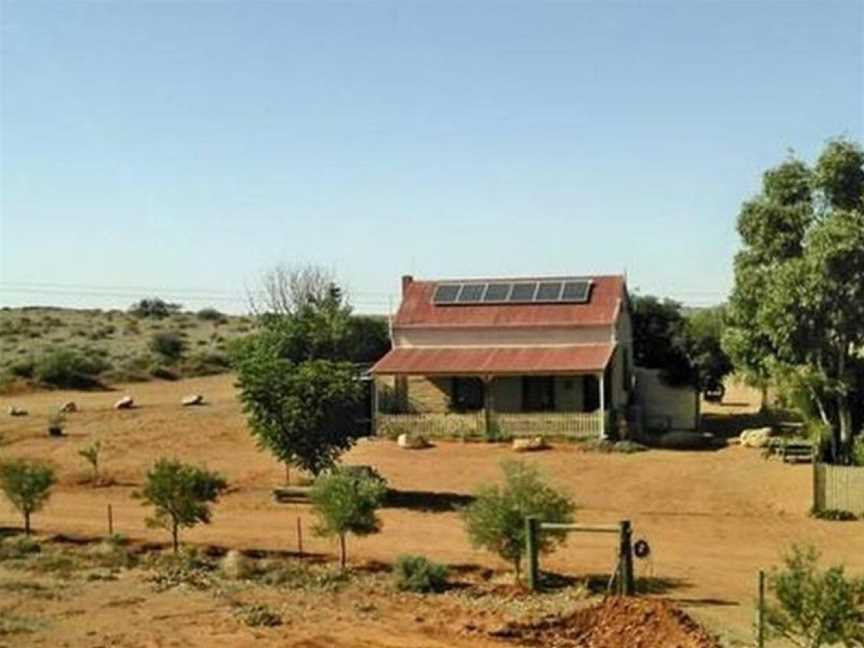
x=713 y=519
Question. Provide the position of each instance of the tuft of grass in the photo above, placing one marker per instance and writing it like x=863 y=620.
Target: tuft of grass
x=29 y=589
x=258 y=615
x=18 y=548
x=12 y=624
x=298 y=575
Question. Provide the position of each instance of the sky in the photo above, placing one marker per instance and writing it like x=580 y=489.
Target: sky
x=180 y=149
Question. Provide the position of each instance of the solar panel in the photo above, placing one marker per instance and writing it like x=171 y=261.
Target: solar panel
x=548 y=291
x=471 y=293
x=576 y=291
x=523 y=292
x=446 y=293
x=497 y=292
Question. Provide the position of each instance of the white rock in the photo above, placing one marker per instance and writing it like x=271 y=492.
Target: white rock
x=529 y=445
x=756 y=437
x=17 y=411
x=124 y=403
x=192 y=399
x=411 y=441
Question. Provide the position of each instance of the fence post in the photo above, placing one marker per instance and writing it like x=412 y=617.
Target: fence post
x=299 y=537
x=532 y=528
x=110 y=521
x=626 y=585
x=760 y=612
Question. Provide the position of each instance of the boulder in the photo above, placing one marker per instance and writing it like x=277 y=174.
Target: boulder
x=756 y=437
x=125 y=403
x=17 y=411
x=235 y=565
x=411 y=441
x=529 y=445
x=69 y=407
x=192 y=399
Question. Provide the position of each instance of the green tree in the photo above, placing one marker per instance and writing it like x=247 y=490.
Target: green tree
x=305 y=414
x=813 y=607
x=345 y=501
x=27 y=485
x=298 y=388
x=660 y=339
x=798 y=300
x=705 y=332
x=495 y=521
x=181 y=495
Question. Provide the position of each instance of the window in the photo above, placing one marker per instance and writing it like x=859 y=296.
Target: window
x=467 y=394
x=538 y=393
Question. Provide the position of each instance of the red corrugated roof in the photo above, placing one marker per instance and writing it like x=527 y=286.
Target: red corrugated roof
x=581 y=358
x=417 y=309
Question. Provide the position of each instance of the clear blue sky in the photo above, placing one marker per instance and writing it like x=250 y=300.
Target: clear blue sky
x=185 y=147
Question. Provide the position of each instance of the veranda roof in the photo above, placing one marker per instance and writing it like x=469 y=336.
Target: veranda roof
x=507 y=360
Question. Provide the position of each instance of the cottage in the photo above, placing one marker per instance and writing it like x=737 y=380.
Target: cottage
x=519 y=356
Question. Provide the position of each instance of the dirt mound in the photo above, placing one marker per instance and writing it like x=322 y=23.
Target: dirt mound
x=615 y=623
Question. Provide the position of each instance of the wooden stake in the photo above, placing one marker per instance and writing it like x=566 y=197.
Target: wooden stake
x=110 y=521
x=760 y=612
x=299 y=536
x=532 y=528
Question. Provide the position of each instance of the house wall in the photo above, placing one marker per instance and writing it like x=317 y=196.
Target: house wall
x=432 y=394
x=663 y=406
x=504 y=336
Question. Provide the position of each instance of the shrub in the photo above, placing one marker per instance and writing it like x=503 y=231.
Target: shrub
x=211 y=315
x=814 y=607
x=345 y=501
x=69 y=368
x=858 y=451
x=168 y=345
x=154 y=307
x=23 y=368
x=27 y=485
x=205 y=364
x=90 y=454
x=496 y=519
x=419 y=574
x=163 y=373
x=181 y=495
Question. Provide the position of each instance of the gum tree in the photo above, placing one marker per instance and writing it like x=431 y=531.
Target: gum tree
x=798 y=300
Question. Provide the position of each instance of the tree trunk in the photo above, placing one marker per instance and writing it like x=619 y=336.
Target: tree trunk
x=763 y=388
x=845 y=416
x=27 y=523
x=175 y=533
x=342 y=555
x=843 y=412
x=517 y=570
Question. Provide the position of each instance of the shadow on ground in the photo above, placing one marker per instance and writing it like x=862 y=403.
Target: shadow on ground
x=427 y=501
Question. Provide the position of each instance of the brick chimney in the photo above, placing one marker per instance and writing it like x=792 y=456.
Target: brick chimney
x=406 y=281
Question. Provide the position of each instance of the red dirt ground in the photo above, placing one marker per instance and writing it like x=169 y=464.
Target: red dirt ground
x=713 y=519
